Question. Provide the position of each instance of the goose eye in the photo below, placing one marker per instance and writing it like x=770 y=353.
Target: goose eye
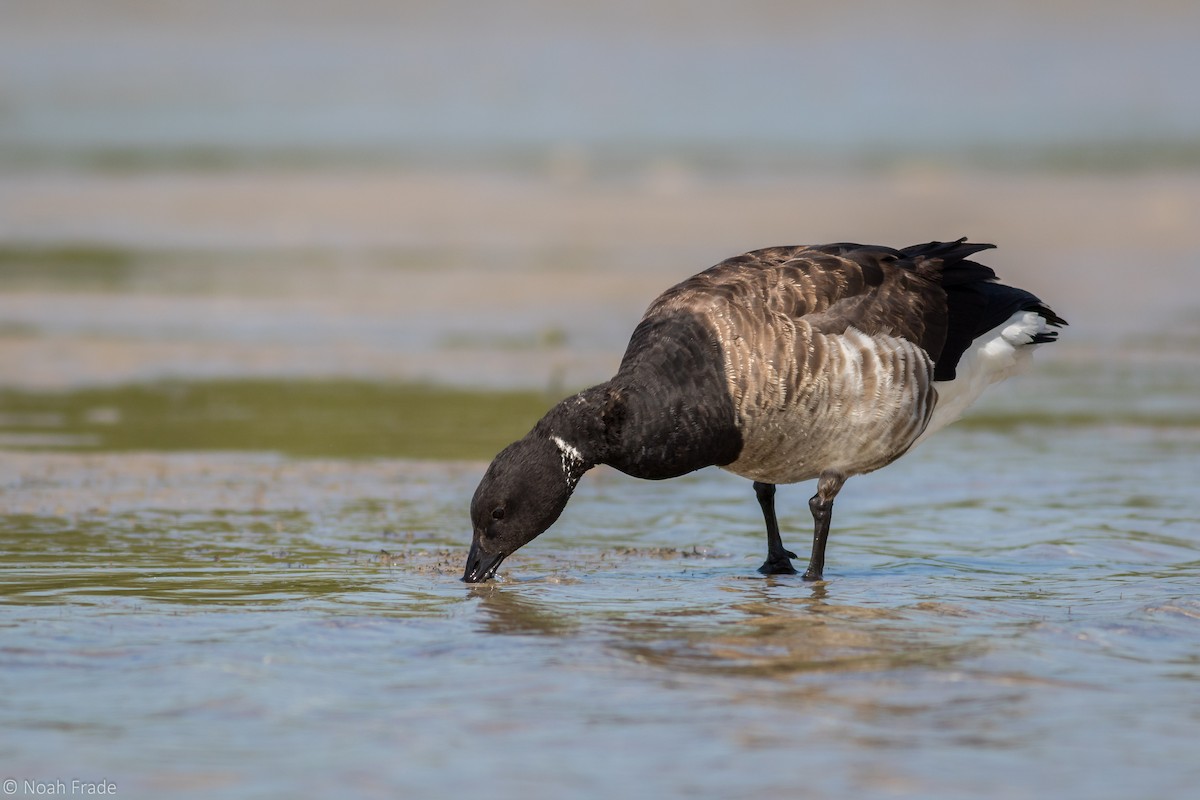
x=498 y=513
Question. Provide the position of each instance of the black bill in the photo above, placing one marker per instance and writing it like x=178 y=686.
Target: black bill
x=481 y=566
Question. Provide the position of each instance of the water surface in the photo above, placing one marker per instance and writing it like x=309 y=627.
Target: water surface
x=277 y=279
x=1010 y=611
x=220 y=549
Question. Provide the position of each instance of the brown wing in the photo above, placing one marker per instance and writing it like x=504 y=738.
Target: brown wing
x=831 y=288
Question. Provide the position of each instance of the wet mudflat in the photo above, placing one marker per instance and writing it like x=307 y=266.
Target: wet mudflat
x=1011 y=611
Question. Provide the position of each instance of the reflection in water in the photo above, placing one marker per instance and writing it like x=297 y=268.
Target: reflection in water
x=509 y=612
x=763 y=633
x=772 y=636
x=786 y=647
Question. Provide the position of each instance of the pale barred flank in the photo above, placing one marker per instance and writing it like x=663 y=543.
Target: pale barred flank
x=809 y=402
x=813 y=392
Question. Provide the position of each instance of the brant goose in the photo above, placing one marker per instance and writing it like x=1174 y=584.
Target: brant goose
x=780 y=365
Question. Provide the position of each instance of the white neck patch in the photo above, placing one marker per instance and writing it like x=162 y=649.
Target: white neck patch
x=572 y=459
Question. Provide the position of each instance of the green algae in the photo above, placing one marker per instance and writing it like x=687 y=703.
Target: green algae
x=329 y=418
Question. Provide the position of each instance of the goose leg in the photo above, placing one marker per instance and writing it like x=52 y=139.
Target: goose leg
x=821 y=505
x=778 y=559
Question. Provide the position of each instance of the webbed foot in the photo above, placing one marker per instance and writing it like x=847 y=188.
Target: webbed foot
x=781 y=565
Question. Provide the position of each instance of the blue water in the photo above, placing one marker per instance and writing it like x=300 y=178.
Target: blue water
x=1006 y=616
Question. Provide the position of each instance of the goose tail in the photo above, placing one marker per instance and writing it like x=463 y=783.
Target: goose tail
x=992 y=329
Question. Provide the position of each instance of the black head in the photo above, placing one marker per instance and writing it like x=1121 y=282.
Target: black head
x=521 y=495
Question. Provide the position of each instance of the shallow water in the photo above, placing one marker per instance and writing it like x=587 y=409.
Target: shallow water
x=243 y=251
x=1010 y=611
x=232 y=527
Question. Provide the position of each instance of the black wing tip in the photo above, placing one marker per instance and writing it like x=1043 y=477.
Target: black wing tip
x=1048 y=315
x=950 y=251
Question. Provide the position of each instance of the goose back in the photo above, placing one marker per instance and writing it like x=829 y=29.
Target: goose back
x=787 y=362
x=826 y=354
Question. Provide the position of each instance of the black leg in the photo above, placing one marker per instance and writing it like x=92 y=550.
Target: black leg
x=778 y=560
x=821 y=506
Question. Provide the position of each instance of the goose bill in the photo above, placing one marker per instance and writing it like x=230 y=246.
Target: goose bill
x=481 y=566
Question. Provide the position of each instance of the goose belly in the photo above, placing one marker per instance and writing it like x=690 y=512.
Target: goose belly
x=812 y=403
